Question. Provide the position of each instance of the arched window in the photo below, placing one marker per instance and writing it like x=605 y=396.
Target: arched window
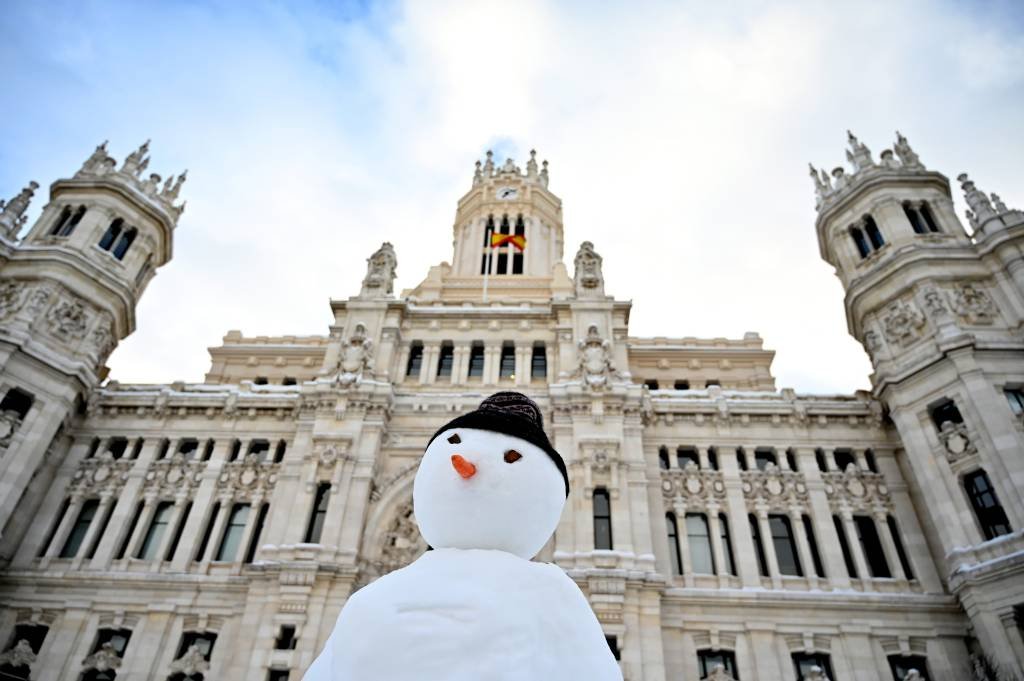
x=155 y=533
x=488 y=231
x=125 y=243
x=860 y=241
x=926 y=213
x=698 y=540
x=723 y=527
x=65 y=216
x=672 y=528
x=987 y=509
x=871 y=230
x=602 y=519
x=110 y=236
x=80 y=529
x=916 y=221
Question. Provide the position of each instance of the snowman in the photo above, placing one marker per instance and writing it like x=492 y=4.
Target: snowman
x=487 y=496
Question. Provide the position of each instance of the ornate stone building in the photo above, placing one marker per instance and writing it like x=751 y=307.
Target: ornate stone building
x=721 y=528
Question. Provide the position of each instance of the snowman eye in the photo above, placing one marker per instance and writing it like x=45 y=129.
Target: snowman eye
x=511 y=456
x=455 y=439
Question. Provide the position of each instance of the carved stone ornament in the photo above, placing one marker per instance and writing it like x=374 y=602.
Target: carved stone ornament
x=248 y=477
x=856 y=489
x=935 y=304
x=356 y=357
x=11 y=298
x=103 y=660
x=191 y=663
x=815 y=674
x=174 y=475
x=37 y=300
x=902 y=322
x=588 y=278
x=68 y=320
x=401 y=545
x=101 y=474
x=380 y=272
x=12 y=213
x=974 y=305
x=20 y=655
x=775 y=486
x=718 y=673
x=956 y=441
x=100 y=340
x=595 y=363
x=9 y=422
x=692 y=486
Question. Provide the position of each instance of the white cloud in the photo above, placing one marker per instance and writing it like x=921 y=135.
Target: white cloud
x=678 y=136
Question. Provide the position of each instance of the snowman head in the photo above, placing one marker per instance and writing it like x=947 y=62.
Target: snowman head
x=490 y=479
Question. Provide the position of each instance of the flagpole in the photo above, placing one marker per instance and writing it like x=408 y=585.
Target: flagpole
x=490 y=250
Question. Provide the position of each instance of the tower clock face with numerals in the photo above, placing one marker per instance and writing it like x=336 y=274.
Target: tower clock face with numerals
x=507 y=193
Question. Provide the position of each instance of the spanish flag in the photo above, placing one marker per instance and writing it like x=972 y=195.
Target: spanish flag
x=517 y=240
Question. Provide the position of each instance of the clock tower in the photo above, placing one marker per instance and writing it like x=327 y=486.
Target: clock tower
x=504 y=200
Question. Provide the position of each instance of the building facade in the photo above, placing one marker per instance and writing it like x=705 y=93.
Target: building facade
x=720 y=528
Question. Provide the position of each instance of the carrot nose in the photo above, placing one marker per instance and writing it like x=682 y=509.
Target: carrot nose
x=463 y=467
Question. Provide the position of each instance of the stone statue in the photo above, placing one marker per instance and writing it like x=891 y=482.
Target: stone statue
x=380 y=272
x=20 y=655
x=1001 y=208
x=840 y=178
x=12 y=213
x=96 y=164
x=136 y=161
x=489 y=164
x=859 y=155
x=595 y=361
x=816 y=674
x=887 y=160
x=149 y=186
x=820 y=188
x=192 y=662
x=718 y=672
x=544 y=174
x=531 y=165
x=478 y=175
x=588 y=278
x=356 y=357
x=976 y=199
x=907 y=156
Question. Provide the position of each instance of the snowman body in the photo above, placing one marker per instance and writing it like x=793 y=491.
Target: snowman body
x=476 y=607
x=467 y=615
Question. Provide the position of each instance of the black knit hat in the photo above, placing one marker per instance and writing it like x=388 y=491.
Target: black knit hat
x=513 y=414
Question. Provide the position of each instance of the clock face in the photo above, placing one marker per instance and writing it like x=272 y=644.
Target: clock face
x=507 y=193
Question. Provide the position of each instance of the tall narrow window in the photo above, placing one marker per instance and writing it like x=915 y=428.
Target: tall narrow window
x=805 y=662
x=869 y=459
x=990 y=514
x=686 y=456
x=723 y=528
x=929 y=220
x=741 y=458
x=501 y=262
x=844 y=544
x=862 y=244
x=123 y=549
x=446 y=359
x=236 y=450
x=208 y=532
x=319 y=513
x=819 y=568
x=137 y=447
x=208 y=449
x=710 y=659
x=412 y=368
x=75 y=219
x=80 y=528
x=539 y=361
x=755 y=534
x=867 y=535
x=791 y=460
x=663 y=460
x=257 y=530
x=232 y=538
x=100 y=531
x=785 y=545
x=113 y=231
x=279 y=451
x=508 y=360
x=712 y=458
x=872 y=232
x=285 y=638
x=602 y=519
x=698 y=540
x=165 y=446
x=172 y=548
x=65 y=215
x=155 y=533
x=517 y=255
x=476 y=359
x=901 y=665
x=901 y=552
x=916 y=221
x=819 y=458
x=124 y=243
x=672 y=528
x=54 y=526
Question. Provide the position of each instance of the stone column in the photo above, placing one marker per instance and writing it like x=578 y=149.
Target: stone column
x=218 y=529
x=401 y=364
x=172 y=528
x=736 y=510
x=684 y=544
x=198 y=518
x=250 y=528
x=492 y=364
x=803 y=547
x=762 y=647
x=522 y=364
x=889 y=546
x=855 y=548
x=428 y=371
x=769 y=548
x=149 y=505
x=60 y=642
x=106 y=501
x=64 y=529
x=821 y=520
x=460 y=364
x=715 y=529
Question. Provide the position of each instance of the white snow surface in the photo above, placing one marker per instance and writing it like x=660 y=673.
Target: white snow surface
x=467 y=615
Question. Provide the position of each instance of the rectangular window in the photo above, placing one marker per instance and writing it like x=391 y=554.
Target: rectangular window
x=232 y=539
x=900 y=551
x=288 y=380
x=446 y=359
x=508 y=361
x=819 y=457
x=901 y=665
x=698 y=539
x=54 y=527
x=501 y=266
x=236 y=450
x=285 y=638
x=131 y=531
x=651 y=383
x=791 y=461
x=476 y=360
x=687 y=455
x=155 y=533
x=945 y=411
x=260 y=380
x=104 y=522
x=202 y=640
x=164 y=449
x=208 y=533
x=710 y=659
x=723 y=527
x=517 y=262
x=804 y=663
x=663 y=460
x=985 y=503
x=613 y=645
x=80 y=528
x=117 y=638
x=741 y=458
x=712 y=458
x=33 y=634
x=871 y=544
x=844 y=544
x=1015 y=397
x=539 y=361
x=137 y=447
x=869 y=459
x=764 y=456
x=712 y=382
x=257 y=530
x=844 y=458
x=208 y=449
x=672 y=529
x=755 y=534
x=412 y=367
x=261 y=448
x=277 y=675
x=316 y=518
x=785 y=545
x=117 y=446
x=602 y=519
x=172 y=548
x=17 y=401
x=681 y=385
x=819 y=569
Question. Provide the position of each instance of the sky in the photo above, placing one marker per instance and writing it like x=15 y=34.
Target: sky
x=678 y=135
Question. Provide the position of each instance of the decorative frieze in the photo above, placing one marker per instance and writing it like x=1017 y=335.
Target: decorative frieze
x=957 y=442
x=175 y=476
x=780 y=490
x=248 y=479
x=692 y=487
x=974 y=305
x=902 y=322
x=101 y=475
x=857 y=490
